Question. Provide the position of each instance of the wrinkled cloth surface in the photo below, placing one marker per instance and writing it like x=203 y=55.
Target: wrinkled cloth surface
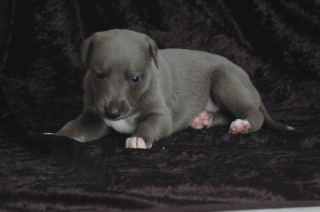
x=276 y=42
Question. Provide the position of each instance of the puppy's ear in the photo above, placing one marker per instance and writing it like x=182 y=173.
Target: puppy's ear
x=86 y=50
x=153 y=50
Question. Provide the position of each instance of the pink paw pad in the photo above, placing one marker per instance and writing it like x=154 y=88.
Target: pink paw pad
x=200 y=121
x=239 y=126
x=135 y=143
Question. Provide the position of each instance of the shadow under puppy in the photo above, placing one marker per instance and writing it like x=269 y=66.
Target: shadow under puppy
x=136 y=89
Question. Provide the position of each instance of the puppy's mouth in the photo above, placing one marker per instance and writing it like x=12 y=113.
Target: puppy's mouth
x=113 y=113
x=122 y=116
x=115 y=119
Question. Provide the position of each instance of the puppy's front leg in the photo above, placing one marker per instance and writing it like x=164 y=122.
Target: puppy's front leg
x=87 y=127
x=155 y=127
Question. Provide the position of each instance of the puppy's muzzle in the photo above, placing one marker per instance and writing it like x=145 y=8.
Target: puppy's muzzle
x=112 y=112
x=116 y=109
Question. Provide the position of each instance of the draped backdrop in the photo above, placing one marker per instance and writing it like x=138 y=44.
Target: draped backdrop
x=276 y=42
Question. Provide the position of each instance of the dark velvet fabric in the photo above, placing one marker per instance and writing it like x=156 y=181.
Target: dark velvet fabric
x=276 y=42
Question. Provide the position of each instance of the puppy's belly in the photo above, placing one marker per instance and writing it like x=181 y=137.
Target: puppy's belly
x=125 y=126
x=211 y=106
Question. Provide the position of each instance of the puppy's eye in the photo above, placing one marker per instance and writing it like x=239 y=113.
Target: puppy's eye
x=134 y=79
x=99 y=75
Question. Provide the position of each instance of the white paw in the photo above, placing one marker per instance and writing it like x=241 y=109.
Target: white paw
x=135 y=143
x=200 y=121
x=239 y=126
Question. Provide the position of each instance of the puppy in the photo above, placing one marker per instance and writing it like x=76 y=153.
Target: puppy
x=136 y=89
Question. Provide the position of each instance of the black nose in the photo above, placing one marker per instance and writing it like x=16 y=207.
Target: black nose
x=112 y=112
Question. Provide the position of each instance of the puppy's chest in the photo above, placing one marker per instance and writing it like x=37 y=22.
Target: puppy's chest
x=125 y=126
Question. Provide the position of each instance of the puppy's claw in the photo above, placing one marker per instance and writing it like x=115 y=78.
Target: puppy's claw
x=200 y=121
x=239 y=126
x=135 y=143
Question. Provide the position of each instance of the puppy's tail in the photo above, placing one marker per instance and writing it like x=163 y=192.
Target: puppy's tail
x=272 y=123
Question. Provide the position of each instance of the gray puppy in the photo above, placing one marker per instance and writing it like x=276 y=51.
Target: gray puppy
x=136 y=89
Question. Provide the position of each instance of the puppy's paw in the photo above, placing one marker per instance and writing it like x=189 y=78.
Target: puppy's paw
x=136 y=143
x=239 y=126
x=200 y=121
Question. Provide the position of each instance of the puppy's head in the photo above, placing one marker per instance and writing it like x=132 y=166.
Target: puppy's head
x=119 y=66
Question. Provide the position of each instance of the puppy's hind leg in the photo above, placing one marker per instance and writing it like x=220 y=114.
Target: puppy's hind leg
x=249 y=123
x=87 y=127
x=234 y=91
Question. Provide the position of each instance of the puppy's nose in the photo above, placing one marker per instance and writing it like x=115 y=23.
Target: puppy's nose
x=112 y=112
